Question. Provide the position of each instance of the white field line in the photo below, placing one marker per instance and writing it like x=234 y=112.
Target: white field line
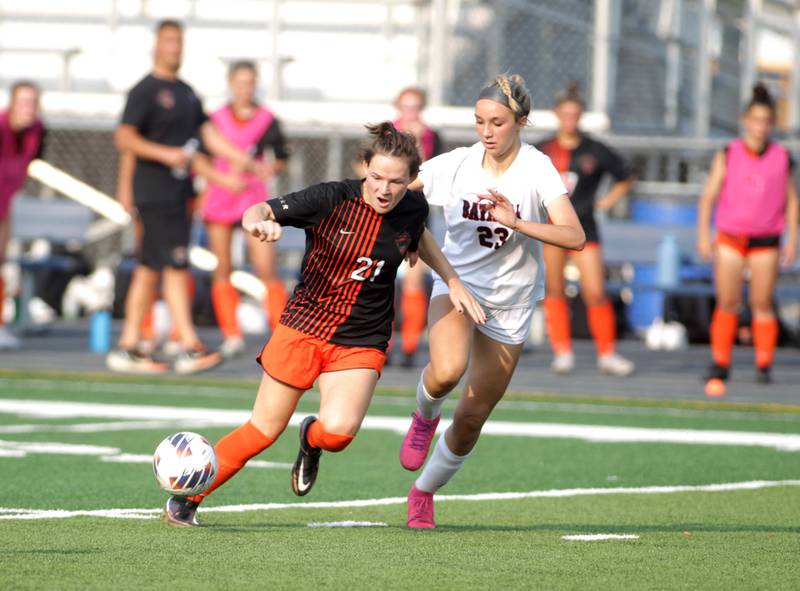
x=104 y=427
x=347 y=524
x=598 y=537
x=239 y=391
x=148 y=459
x=593 y=433
x=20 y=449
x=19 y=514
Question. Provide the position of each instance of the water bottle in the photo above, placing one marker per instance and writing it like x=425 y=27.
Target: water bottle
x=668 y=265
x=100 y=331
x=190 y=147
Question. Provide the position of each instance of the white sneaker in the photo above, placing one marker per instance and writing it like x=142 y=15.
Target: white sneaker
x=172 y=348
x=563 y=363
x=614 y=364
x=196 y=360
x=132 y=361
x=232 y=347
x=8 y=342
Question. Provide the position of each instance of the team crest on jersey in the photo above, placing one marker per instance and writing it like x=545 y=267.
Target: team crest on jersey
x=403 y=241
x=587 y=164
x=165 y=98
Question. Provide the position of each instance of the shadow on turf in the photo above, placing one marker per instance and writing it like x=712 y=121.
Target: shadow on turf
x=545 y=527
x=612 y=527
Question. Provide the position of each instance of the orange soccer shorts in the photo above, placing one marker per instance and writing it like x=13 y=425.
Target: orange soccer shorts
x=746 y=244
x=296 y=358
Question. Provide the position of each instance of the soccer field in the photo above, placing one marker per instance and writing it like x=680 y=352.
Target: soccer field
x=704 y=495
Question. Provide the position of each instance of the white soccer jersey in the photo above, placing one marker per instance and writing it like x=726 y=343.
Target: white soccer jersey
x=501 y=267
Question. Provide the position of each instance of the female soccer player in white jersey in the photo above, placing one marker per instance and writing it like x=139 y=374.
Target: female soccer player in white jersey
x=497 y=196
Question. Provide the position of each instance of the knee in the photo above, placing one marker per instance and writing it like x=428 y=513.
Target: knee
x=593 y=298
x=468 y=422
x=446 y=375
x=270 y=428
x=761 y=306
x=332 y=435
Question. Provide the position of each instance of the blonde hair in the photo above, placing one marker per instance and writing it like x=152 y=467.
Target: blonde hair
x=513 y=89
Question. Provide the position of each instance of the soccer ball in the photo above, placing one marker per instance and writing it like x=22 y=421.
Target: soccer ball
x=185 y=464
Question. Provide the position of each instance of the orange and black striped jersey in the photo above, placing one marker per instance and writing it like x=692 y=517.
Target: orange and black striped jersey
x=346 y=291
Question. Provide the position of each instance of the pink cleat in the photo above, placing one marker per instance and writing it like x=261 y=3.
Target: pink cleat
x=420 y=509
x=417 y=441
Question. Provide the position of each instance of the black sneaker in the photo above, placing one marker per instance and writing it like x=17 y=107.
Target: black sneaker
x=181 y=512
x=304 y=471
x=134 y=361
x=716 y=372
x=764 y=375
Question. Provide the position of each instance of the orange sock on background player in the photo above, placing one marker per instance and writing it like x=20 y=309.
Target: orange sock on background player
x=414 y=308
x=147 y=331
x=233 y=451
x=765 y=339
x=603 y=326
x=723 y=334
x=225 y=300
x=275 y=302
x=556 y=311
x=318 y=437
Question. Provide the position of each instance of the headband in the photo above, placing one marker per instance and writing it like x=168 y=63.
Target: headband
x=494 y=93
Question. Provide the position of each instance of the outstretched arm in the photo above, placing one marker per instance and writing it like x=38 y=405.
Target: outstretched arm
x=462 y=300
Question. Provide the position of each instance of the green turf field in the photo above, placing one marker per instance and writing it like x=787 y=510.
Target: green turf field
x=79 y=505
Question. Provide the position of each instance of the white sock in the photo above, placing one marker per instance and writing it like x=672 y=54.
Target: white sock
x=440 y=468
x=428 y=406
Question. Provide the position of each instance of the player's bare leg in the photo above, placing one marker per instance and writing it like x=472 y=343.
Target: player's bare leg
x=449 y=337
x=492 y=366
x=344 y=400
x=729 y=267
x=194 y=357
x=223 y=294
x=600 y=312
x=127 y=357
x=763 y=265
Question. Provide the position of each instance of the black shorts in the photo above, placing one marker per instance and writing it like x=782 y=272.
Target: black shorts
x=590 y=227
x=165 y=238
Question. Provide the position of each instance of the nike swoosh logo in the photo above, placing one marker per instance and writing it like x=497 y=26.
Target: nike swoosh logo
x=301 y=485
x=346 y=233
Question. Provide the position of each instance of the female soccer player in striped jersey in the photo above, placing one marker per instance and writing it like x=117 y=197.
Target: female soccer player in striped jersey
x=497 y=196
x=583 y=162
x=337 y=325
x=751 y=185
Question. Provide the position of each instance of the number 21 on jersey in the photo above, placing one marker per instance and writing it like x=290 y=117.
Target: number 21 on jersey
x=363 y=271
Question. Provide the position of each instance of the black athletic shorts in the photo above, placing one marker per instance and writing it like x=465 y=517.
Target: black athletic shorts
x=165 y=238
x=590 y=227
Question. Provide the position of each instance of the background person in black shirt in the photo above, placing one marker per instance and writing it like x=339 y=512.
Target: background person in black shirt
x=162 y=126
x=582 y=162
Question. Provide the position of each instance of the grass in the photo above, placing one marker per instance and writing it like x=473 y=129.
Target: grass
x=701 y=540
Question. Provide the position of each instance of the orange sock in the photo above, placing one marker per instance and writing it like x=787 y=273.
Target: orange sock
x=275 y=302
x=414 y=308
x=723 y=335
x=147 y=331
x=556 y=313
x=233 y=451
x=603 y=326
x=765 y=338
x=2 y=299
x=225 y=299
x=318 y=437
